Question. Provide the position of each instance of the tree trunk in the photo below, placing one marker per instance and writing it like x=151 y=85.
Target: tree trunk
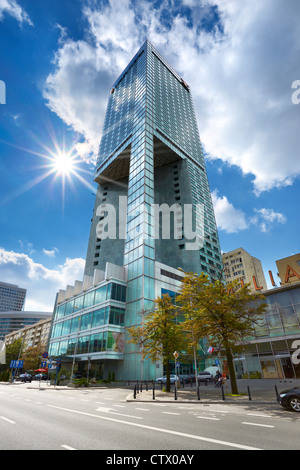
x=231 y=368
x=168 y=385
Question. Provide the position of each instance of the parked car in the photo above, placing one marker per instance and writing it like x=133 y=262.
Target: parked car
x=290 y=399
x=25 y=377
x=40 y=377
x=163 y=380
x=187 y=379
x=205 y=377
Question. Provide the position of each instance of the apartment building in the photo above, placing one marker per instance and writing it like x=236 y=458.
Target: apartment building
x=240 y=265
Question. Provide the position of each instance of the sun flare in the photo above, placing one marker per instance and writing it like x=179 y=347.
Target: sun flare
x=63 y=163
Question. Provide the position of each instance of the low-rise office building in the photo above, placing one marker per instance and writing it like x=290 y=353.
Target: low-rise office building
x=274 y=351
x=89 y=323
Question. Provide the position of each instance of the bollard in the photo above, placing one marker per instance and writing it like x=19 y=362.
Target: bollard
x=146 y=386
x=276 y=391
x=137 y=387
x=153 y=392
x=198 y=392
x=249 y=394
x=134 y=392
x=175 y=392
x=223 y=395
x=141 y=387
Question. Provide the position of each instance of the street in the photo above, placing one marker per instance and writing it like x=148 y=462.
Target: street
x=37 y=418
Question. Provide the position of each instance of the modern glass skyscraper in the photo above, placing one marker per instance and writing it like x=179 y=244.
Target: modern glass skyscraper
x=150 y=153
x=150 y=162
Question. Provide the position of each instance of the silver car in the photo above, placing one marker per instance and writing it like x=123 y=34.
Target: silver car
x=163 y=380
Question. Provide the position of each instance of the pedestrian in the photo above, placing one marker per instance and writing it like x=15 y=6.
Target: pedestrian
x=224 y=378
x=218 y=378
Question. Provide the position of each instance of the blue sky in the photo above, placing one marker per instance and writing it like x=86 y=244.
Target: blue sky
x=58 y=61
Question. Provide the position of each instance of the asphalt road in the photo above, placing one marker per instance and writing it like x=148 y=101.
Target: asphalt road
x=101 y=419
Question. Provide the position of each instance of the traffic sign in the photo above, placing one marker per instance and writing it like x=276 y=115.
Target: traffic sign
x=16 y=364
x=45 y=355
x=175 y=354
x=44 y=364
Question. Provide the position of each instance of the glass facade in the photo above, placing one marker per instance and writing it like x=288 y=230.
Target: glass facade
x=271 y=352
x=91 y=322
x=150 y=152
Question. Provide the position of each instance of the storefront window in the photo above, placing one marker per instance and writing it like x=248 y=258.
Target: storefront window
x=63 y=348
x=295 y=296
x=69 y=307
x=115 y=341
x=289 y=319
x=96 y=342
x=283 y=299
x=268 y=368
x=89 y=299
x=78 y=303
x=83 y=345
x=86 y=321
x=274 y=324
x=100 y=294
x=74 y=325
x=100 y=317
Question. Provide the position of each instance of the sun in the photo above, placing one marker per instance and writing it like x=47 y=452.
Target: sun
x=63 y=163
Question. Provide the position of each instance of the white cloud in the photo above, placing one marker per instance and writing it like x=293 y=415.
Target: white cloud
x=50 y=253
x=11 y=7
x=41 y=283
x=265 y=218
x=240 y=72
x=228 y=218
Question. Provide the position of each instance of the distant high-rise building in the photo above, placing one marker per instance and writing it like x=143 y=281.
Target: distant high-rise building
x=150 y=163
x=12 y=297
x=240 y=265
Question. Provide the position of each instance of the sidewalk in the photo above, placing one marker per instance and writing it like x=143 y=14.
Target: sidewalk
x=250 y=391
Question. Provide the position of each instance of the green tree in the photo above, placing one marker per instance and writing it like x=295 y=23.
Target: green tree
x=160 y=334
x=14 y=351
x=225 y=314
x=32 y=357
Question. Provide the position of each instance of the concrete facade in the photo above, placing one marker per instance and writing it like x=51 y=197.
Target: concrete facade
x=240 y=265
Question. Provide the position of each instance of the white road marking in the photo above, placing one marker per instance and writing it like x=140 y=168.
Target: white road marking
x=257 y=424
x=67 y=447
x=169 y=413
x=259 y=415
x=8 y=420
x=153 y=428
x=109 y=410
x=207 y=417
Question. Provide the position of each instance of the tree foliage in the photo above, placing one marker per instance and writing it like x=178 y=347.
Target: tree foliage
x=225 y=314
x=160 y=334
